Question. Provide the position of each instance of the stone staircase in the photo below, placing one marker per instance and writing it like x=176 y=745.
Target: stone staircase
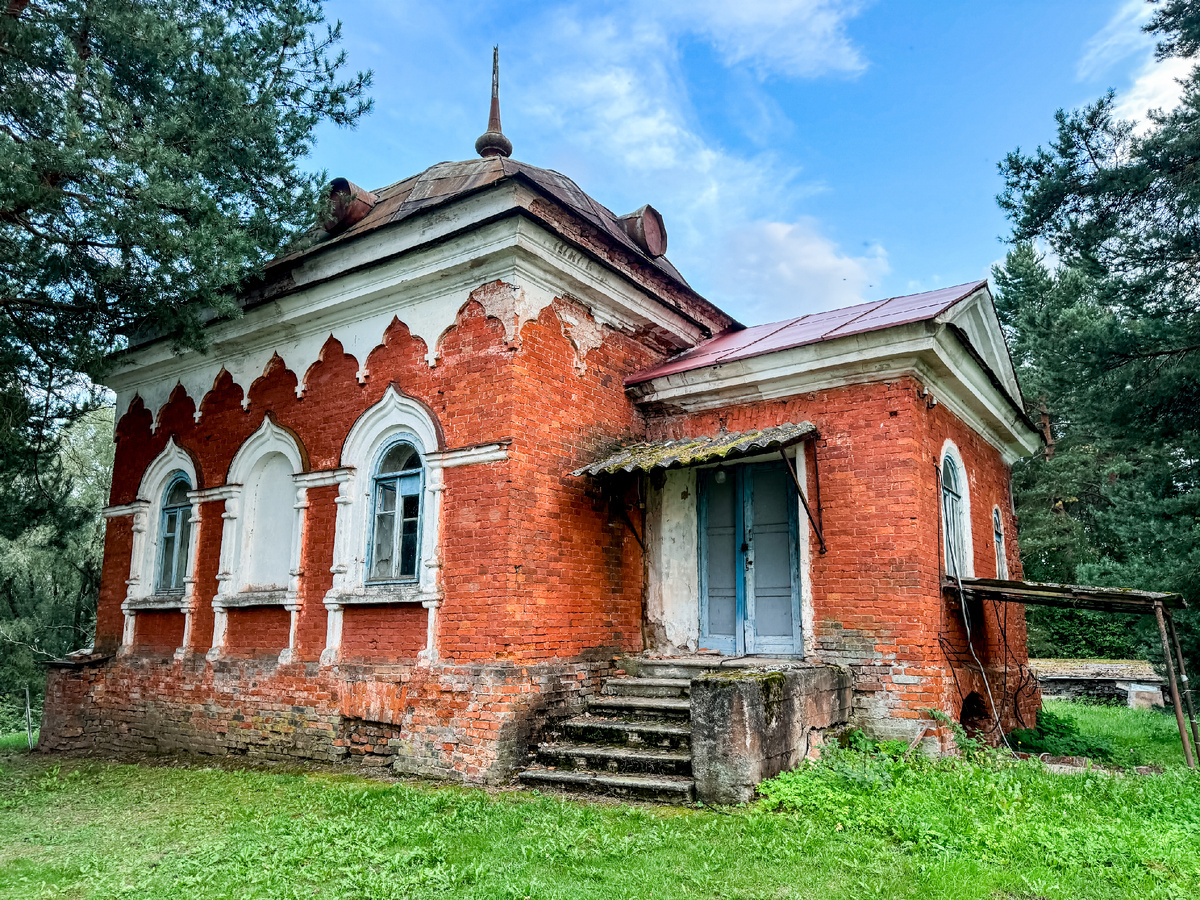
x=634 y=741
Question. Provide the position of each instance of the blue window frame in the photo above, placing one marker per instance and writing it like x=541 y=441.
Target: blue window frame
x=998 y=540
x=954 y=519
x=174 y=536
x=395 y=542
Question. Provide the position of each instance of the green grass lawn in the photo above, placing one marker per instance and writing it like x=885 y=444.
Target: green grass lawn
x=857 y=826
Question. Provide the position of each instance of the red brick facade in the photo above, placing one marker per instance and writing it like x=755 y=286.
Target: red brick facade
x=878 y=602
x=541 y=581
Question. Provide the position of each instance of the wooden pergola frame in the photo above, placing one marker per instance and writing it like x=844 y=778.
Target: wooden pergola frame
x=1117 y=600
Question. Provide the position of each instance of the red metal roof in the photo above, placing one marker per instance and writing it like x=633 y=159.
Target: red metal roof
x=813 y=328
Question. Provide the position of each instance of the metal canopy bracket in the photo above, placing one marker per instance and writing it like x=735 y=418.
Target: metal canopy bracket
x=1105 y=599
x=815 y=522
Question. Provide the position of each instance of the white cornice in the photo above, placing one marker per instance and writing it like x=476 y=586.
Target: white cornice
x=926 y=351
x=125 y=509
x=323 y=477
x=424 y=288
x=467 y=456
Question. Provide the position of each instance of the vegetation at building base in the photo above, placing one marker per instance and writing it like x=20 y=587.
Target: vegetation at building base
x=857 y=824
x=1106 y=342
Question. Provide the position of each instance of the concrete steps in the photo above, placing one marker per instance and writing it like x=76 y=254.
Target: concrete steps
x=606 y=730
x=634 y=741
x=663 y=788
x=649 y=709
x=614 y=758
x=629 y=686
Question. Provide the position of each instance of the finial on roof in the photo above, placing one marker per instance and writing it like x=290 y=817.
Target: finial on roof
x=493 y=142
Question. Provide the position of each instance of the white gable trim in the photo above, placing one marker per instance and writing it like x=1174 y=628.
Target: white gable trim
x=927 y=351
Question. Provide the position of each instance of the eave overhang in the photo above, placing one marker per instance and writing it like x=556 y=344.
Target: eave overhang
x=934 y=353
x=1065 y=596
x=353 y=296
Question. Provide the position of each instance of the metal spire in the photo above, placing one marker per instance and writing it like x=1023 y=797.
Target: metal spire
x=493 y=142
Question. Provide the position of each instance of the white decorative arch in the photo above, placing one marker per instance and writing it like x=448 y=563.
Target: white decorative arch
x=393 y=414
x=270 y=438
x=173 y=458
x=242 y=532
x=950 y=450
x=393 y=418
x=147 y=523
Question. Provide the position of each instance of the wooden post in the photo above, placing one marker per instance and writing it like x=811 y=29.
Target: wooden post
x=1183 y=677
x=1166 y=645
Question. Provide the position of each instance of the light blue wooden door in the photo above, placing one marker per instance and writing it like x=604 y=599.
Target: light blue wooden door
x=722 y=599
x=749 y=560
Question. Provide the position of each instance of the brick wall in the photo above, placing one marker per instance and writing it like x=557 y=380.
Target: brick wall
x=877 y=599
x=541 y=585
x=469 y=722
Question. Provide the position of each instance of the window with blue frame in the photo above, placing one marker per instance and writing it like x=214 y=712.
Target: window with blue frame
x=396 y=523
x=174 y=536
x=954 y=519
x=998 y=540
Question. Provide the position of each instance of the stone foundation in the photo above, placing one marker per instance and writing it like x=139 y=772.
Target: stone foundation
x=748 y=726
x=471 y=722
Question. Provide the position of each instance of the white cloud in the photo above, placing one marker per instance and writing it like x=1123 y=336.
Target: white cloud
x=1155 y=84
x=599 y=92
x=775 y=270
x=789 y=37
x=613 y=96
x=1119 y=39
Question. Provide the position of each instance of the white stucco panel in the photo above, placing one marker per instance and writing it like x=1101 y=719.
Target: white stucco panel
x=673 y=564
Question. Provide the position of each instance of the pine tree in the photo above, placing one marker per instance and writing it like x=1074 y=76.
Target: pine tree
x=1108 y=349
x=150 y=160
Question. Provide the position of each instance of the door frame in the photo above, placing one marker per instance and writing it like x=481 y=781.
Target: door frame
x=745 y=641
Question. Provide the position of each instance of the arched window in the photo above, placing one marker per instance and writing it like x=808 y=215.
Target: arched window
x=396 y=515
x=174 y=535
x=998 y=540
x=270 y=524
x=954 y=518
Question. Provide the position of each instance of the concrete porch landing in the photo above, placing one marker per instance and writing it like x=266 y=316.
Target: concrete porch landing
x=692 y=665
x=707 y=727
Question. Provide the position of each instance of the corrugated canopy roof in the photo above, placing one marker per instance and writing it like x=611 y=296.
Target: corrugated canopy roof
x=811 y=329
x=652 y=455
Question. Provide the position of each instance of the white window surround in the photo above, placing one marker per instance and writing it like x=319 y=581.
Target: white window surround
x=1000 y=541
x=967 y=568
x=237 y=538
x=395 y=417
x=146 y=511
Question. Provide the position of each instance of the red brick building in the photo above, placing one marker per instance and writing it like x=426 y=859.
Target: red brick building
x=382 y=516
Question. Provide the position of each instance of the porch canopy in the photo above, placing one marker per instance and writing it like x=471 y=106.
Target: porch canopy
x=1067 y=596
x=650 y=455
x=1104 y=599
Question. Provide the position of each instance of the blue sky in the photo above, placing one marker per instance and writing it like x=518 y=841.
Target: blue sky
x=805 y=154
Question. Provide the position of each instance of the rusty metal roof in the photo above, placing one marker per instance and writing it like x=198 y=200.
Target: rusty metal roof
x=811 y=329
x=448 y=181
x=1065 y=596
x=650 y=455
